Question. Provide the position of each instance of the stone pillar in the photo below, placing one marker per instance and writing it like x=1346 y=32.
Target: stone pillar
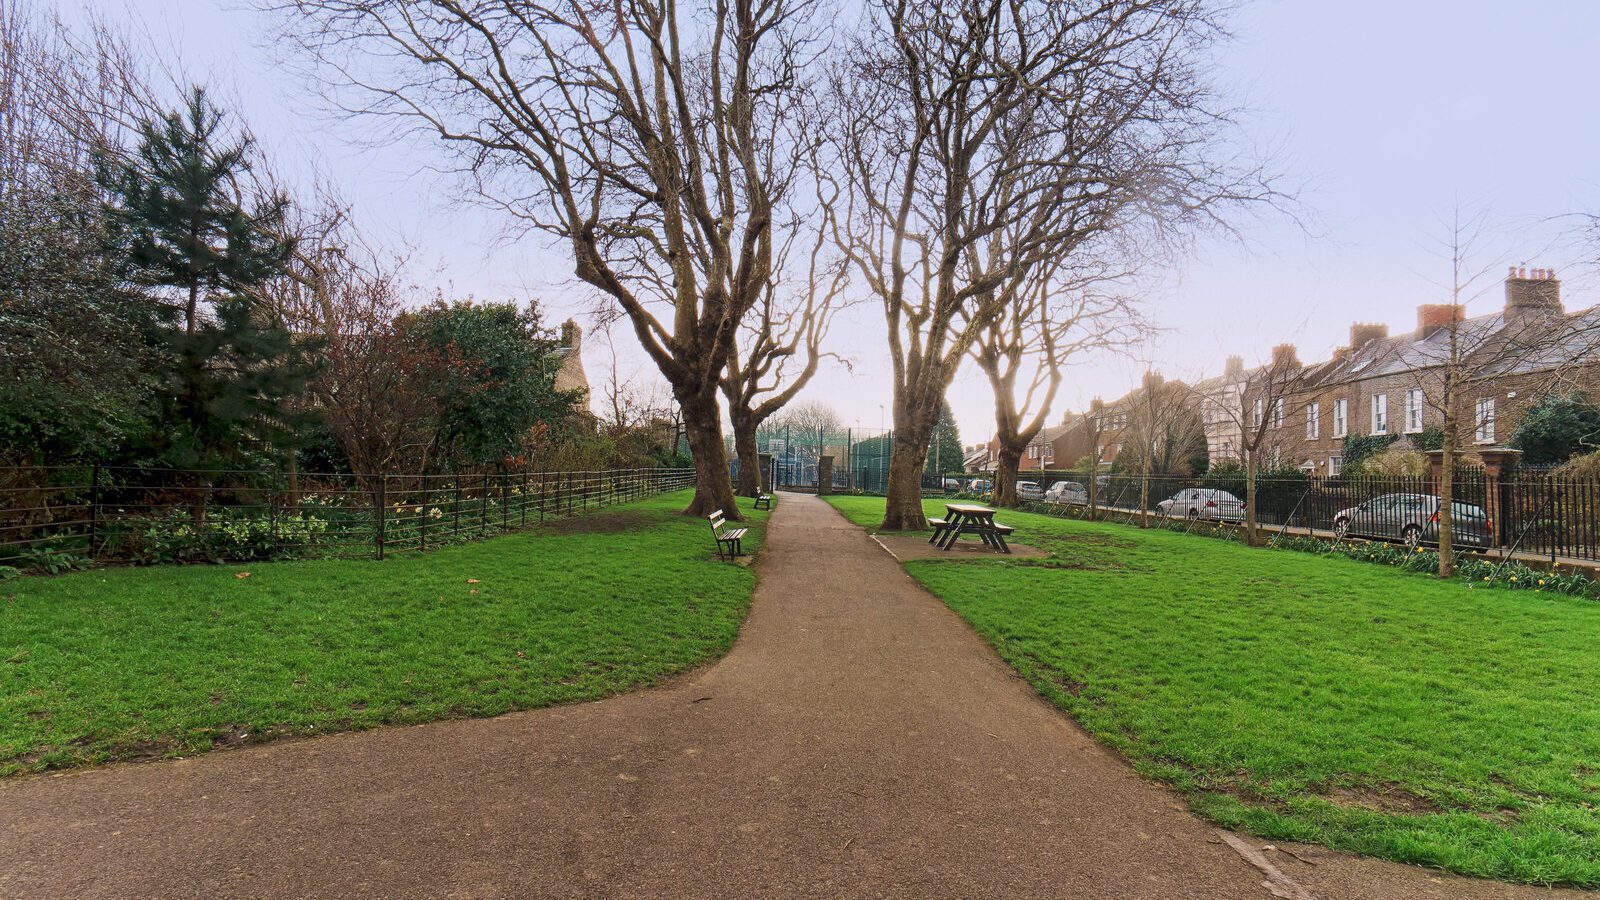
x=766 y=472
x=824 y=475
x=1497 y=462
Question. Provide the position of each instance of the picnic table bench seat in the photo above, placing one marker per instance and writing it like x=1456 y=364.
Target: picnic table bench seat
x=939 y=526
x=731 y=538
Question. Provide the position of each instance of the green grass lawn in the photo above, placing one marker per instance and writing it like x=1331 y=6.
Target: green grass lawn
x=132 y=663
x=1307 y=698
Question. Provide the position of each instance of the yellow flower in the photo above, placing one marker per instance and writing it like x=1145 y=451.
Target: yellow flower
x=1541 y=582
x=1513 y=578
x=1485 y=578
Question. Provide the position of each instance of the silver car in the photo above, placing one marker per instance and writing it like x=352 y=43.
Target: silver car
x=1203 y=503
x=1070 y=493
x=1029 y=490
x=1413 y=519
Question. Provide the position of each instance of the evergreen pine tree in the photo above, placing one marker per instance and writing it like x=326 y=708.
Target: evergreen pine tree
x=198 y=254
x=944 y=450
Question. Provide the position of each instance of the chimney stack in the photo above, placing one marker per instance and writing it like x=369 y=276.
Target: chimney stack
x=1234 y=368
x=1363 y=333
x=1532 y=294
x=1433 y=316
x=1285 y=356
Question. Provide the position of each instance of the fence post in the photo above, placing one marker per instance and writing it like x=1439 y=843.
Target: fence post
x=455 y=509
x=94 y=509
x=523 y=506
x=421 y=519
x=483 y=506
x=382 y=510
x=272 y=518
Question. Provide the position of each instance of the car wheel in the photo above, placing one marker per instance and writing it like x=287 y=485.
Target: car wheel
x=1194 y=514
x=1412 y=535
x=1341 y=528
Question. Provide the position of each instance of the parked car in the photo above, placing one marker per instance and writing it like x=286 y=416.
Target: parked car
x=1414 y=519
x=952 y=486
x=1070 y=493
x=978 y=486
x=1029 y=490
x=1203 y=503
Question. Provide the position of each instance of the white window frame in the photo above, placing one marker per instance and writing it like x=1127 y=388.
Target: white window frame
x=1335 y=464
x=1313 y=421
x=1414 y=412
x=1380 y=413
x=1258 y=410
x=1485 y=420
x=1341 y=417
x=1277 y=413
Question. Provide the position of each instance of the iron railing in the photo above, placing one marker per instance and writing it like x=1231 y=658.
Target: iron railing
x=110 y=513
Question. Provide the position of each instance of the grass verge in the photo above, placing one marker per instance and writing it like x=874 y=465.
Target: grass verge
x=1310 y=698
x=138 y=663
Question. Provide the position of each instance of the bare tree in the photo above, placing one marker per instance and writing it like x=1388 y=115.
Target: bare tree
x=1023 y=351
x=779 y=349
x=1255 y=409
x=1049 y=122
x=1455 y=358
x=654 y=140
x=1163 y=433
x=813 y=417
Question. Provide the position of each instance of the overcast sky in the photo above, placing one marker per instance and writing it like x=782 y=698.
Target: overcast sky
x=1391 y=113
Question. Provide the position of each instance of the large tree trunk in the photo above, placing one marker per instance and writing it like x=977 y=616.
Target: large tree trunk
x=713 y=489
x=913 y=431
x=746 y=451
x=1006 y=465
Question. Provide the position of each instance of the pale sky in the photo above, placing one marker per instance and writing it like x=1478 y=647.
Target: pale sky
x=1391 y=112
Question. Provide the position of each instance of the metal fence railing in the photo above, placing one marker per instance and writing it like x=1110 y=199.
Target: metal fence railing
x=105 y=513
x=1525 y=511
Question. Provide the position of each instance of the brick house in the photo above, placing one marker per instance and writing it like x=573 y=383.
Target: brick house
x=1383 y=384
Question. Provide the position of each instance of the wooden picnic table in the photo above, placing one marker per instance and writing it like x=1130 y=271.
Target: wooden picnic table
x=969 y=518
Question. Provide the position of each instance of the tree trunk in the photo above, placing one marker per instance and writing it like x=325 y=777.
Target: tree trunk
x=1252 y=532
x=1005 y=476
x=746 y=451
x=713 y=488
x=1447 y=486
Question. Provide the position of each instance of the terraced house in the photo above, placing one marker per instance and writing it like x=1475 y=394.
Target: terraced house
x=1393 y=386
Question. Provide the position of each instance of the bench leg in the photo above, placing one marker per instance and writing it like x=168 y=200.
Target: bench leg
x=1001 y=540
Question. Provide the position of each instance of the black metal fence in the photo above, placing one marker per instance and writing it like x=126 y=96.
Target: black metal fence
x=59 y=517
x=1525 y=511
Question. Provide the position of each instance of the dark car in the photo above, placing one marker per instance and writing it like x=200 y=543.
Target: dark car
x=1413 y=519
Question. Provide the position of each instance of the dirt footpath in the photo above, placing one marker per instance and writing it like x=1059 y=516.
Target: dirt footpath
x=860 y=740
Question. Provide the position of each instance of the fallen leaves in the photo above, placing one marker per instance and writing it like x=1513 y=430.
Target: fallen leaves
x=241 y=574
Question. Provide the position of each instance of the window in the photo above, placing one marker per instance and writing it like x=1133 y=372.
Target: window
x=1413 y=411
x=1380 y=413
x=1277 y=413
x=1335 y=463
x=1313 y=421
x=1486 y=420
x=1341 y=418
x=1256 y=412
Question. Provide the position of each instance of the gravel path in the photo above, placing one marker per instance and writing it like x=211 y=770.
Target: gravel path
x=859 y=740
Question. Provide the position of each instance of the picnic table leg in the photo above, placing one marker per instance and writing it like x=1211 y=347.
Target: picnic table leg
x=1001 y=539
x=952 y=531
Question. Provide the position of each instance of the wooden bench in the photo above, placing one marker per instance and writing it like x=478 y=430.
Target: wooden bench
x=999 y=532
x=730 y=538
x=939 y=526
x=763 y=501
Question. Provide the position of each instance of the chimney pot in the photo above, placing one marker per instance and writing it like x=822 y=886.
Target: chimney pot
x=1363 y=333
x=1433 y=316
x=1538 y=296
